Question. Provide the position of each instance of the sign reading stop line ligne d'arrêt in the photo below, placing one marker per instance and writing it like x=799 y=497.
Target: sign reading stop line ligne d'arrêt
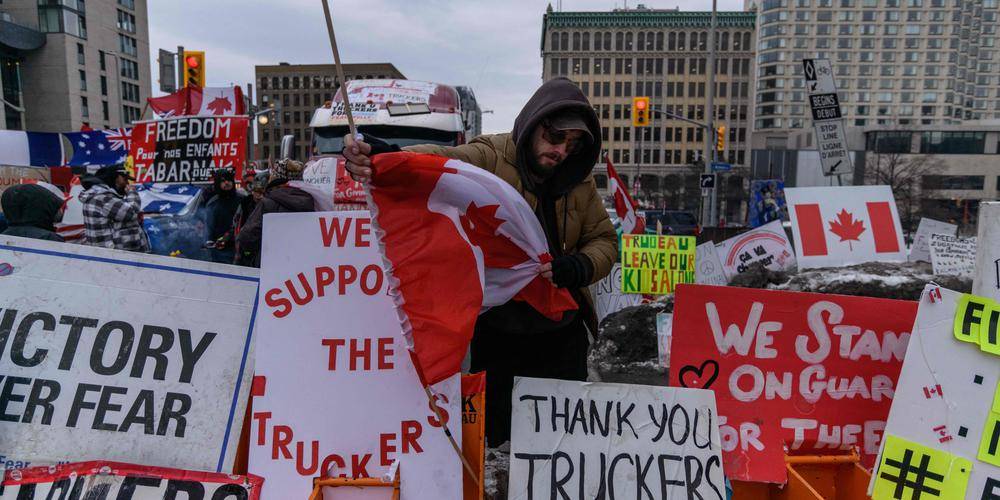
x=656 y=264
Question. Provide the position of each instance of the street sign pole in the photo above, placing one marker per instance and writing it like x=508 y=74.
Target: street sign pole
x=710 y=115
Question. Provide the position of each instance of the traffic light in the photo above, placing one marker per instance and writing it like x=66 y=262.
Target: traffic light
x=720 y=138
x=194 y=68
x=640 y=111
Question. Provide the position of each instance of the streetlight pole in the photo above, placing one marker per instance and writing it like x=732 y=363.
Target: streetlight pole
x=712 y=215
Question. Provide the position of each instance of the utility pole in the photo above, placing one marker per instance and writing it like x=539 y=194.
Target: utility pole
x=709 y=212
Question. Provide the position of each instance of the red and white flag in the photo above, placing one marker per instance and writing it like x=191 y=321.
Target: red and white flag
x=456 y=240
x=195 y=101
x=837 y=226
x=624 y=205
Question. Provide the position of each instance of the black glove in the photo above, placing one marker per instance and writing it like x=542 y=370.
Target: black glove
x=572 y=271
x=378 y=145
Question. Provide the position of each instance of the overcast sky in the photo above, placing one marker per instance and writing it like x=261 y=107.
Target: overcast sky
x=492 y=46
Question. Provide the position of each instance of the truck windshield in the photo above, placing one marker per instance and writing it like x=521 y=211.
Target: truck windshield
x=330 y=140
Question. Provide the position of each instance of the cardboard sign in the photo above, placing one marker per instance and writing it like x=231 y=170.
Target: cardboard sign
x=329 y=176
x=655 y=265
x=920 y=250
x=596 y=440
x=986 y=280
x=122 y=481
x=12 y=176
x=944 y=427
x=121 y=356
x=814 y=371
x=767 y=202
x=664 y=335
x=341 y=395
x=474 y=432
x=608 y=296
x=188 y=149
x=766 y=245
x=840 y=226
x=708 y=270
x=953 y=255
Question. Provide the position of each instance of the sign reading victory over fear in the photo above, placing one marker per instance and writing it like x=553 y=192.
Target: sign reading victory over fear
x=121 y=356
x=188 y=149
x=806 y=370
x=595 y=440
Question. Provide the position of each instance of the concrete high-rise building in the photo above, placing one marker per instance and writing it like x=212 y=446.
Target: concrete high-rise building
x=92 y=67
x=614 y=56
x=300 y=89
x=906 y=63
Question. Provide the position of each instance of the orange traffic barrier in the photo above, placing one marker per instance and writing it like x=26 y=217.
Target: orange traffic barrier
x=812 y=477
x=368 y=482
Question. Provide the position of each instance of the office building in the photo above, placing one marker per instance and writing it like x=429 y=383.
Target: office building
x=90 y=69
x=614 y=56
x=300 y=89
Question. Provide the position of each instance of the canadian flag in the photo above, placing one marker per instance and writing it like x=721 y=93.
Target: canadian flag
x=624 y=205
x=456 y=240
x=837 y=226
x=195 y=101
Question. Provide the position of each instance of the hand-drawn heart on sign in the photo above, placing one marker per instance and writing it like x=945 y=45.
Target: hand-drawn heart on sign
x=701 y=377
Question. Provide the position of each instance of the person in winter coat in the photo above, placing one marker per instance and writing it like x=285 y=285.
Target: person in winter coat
x=548 y=158
x=279 y=196
x=256 y=186
x=32 y=212
x=220 y=209
x=112 y=212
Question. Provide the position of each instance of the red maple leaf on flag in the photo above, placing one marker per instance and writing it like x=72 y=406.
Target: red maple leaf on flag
x=847 y=228
x=220 y=105
x=481 y=225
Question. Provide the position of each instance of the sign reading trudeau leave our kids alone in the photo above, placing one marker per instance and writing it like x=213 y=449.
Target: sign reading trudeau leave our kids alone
x=656 y=264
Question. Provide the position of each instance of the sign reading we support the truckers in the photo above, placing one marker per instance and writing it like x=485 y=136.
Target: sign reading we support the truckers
x=188 y=149
x=655 y=265
x=942 y=438
x=596 y=440
x=827 y=120
x=118 y=355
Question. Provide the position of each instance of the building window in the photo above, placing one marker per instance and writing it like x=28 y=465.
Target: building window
x=100 y=60
x=130 y=69
x=889 y=142
x=130 y=92
x=66 y=16
x=969 y=182
x=84 y=108
x=126 y=22
x=128 y=45
x=83 y=80
x=128 y=4
x=81 y=57
x=953 y=143
x=104 y=110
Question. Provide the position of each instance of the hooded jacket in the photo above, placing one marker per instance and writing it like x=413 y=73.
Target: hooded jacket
x=220 y=209
x=279 y=197
x=31 y=212
x=582 y=223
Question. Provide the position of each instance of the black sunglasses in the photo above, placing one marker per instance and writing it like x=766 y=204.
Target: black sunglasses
x=557 y=137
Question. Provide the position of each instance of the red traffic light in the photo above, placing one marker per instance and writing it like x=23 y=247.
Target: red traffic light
x=192 y=61
x=640 y=104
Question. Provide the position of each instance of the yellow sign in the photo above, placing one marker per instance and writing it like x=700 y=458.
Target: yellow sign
x=977 y=321
x=655 y=265
x=911 y=471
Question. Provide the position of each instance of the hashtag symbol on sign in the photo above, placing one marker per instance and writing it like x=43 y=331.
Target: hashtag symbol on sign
x=920 y=474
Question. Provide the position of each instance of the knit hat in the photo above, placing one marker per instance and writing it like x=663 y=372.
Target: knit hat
x=287 y=169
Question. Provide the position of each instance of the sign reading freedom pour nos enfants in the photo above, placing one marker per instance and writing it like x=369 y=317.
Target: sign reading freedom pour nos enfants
x=656 y=264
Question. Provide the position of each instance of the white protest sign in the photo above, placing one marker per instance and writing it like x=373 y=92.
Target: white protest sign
x=341 y=395
x=664 y=334
x=608 y=296
x=920 y=250
x=708 y=266
x=596 y=440
x=986 y=280
x=953 y=255
x=767 y=245
x=122 y=356
x=944 y=425
x=840 y=226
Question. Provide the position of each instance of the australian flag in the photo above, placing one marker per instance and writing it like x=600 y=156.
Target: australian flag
x=100 y=147
x=167 y=199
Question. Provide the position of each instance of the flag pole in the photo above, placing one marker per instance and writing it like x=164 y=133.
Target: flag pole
x=354 y=134
x=340 y=70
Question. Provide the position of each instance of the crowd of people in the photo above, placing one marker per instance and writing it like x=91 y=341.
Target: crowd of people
x=231 y=216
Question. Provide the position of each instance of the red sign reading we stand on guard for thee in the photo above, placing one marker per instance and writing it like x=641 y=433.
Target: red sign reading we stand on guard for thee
x=811 y=372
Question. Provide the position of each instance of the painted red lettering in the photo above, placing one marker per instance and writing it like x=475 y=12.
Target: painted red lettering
x=385 y=354
x=333 y=344
x=261 y=419
x=410 y=433
x=331 y=228
x=363 y=353
x=281 y=439
x=324 y=277
x=347 y=276
x=284 y=305
x=386 y=447
x=366 y=286
x=362 y=231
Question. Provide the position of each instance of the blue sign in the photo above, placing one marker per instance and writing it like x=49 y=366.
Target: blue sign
x=721 y=167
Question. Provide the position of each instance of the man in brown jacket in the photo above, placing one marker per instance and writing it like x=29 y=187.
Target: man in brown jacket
x=548 y=158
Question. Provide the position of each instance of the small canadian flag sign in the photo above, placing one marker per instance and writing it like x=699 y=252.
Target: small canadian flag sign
x=835 y=226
